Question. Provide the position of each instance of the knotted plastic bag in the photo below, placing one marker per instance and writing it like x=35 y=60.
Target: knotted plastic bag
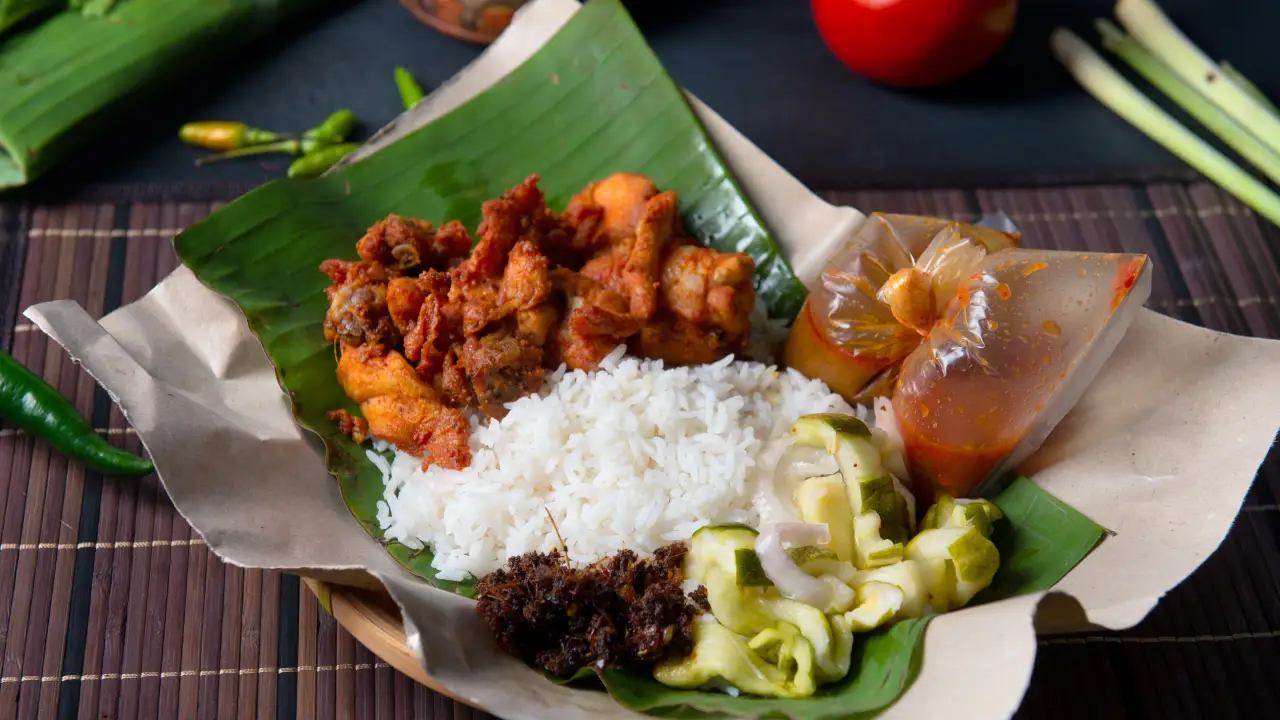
x=878 y=296
x=984 y=347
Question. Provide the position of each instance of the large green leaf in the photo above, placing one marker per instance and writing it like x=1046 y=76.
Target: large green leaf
x=594 y=100
x=70 y=75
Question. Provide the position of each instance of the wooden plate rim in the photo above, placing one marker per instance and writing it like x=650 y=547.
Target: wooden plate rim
x=366 y=615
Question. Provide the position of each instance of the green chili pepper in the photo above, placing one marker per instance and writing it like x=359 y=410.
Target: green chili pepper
x=31 y=404
x=220 y=135
x=410 y=90
x=292 y=146
x=93 y=8
x=315 y=163
x=334 y=129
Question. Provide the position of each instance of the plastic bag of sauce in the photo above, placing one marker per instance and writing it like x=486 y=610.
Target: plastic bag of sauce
x=1015 y=350
x=983 y=347
x=878 y=296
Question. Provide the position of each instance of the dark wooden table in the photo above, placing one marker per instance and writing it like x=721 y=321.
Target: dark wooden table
x=759 y=63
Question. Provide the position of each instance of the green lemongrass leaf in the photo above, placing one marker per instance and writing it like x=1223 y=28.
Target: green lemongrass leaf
x=1109 y=87
x=1189 y=99
x=71 y=76
x=13 y=12
x=1248 y=86
x=1145 y=21
x=596 y=101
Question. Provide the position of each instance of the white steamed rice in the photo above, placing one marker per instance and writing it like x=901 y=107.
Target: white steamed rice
x=635 y=455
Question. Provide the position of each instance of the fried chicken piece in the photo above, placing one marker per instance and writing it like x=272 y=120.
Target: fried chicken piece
x=503 y=222
x=658 y=225
x=419 y=307
x=677 y=341
x=584 y=220
x=452 y=381
x=498 y=279
x=525 y=293
x=367 y=372
x=426 y=428
x=402 y=409
x=357 y=312
x=534 y=325
x=404 y=301
x=405 y=245
x=620 y=199
x=710 y=288
x=606 y=266
x=453 y=241
x=353 y=427
x=499 y=369
x=474 y=300
x=525 y=281
x=707 y=299
x=597 y=320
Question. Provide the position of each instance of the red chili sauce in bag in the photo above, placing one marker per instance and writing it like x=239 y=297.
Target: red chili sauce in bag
x=1013 y=352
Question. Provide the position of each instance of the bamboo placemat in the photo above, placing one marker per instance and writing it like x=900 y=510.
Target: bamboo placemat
x=111 y=607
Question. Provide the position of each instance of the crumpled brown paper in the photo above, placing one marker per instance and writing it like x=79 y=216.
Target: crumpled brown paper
x=1160 y=450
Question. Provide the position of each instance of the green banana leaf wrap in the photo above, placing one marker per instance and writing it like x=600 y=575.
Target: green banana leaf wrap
x=68 y=76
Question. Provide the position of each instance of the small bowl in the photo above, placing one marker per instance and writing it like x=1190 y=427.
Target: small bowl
x=475 y=21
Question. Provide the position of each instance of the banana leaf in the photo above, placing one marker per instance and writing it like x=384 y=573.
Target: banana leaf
x=593 y=100
x=13 y=12
x=72 y=75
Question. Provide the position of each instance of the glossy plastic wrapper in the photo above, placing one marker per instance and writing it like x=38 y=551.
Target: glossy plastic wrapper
x=983 y=346
x=1017 y=346
x=877 y=296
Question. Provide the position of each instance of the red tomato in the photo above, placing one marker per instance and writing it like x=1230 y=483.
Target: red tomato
x=914 y=43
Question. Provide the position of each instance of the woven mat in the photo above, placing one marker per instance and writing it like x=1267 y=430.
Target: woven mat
x=113 y=607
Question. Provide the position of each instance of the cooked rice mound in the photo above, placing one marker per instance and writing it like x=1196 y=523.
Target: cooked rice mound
x=635 y=455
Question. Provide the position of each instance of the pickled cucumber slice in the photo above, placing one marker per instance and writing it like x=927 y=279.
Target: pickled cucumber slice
x=951 y=513
x=790 y=652
x=721 y=654
x=878 y=603
x=869 y=486
x=971 y=558
x=871 y=549
x=913 y=578
x=751 y=573
x=824 y=499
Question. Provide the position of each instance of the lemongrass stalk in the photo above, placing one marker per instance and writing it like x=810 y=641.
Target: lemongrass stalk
x=1247 y=85
x=1144 y=20
x=1149 y=67
x=1112 y=90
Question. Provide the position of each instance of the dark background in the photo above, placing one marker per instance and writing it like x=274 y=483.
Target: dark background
x=760 y=63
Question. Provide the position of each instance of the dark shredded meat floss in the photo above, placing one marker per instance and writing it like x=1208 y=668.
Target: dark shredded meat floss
x=622 y=612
